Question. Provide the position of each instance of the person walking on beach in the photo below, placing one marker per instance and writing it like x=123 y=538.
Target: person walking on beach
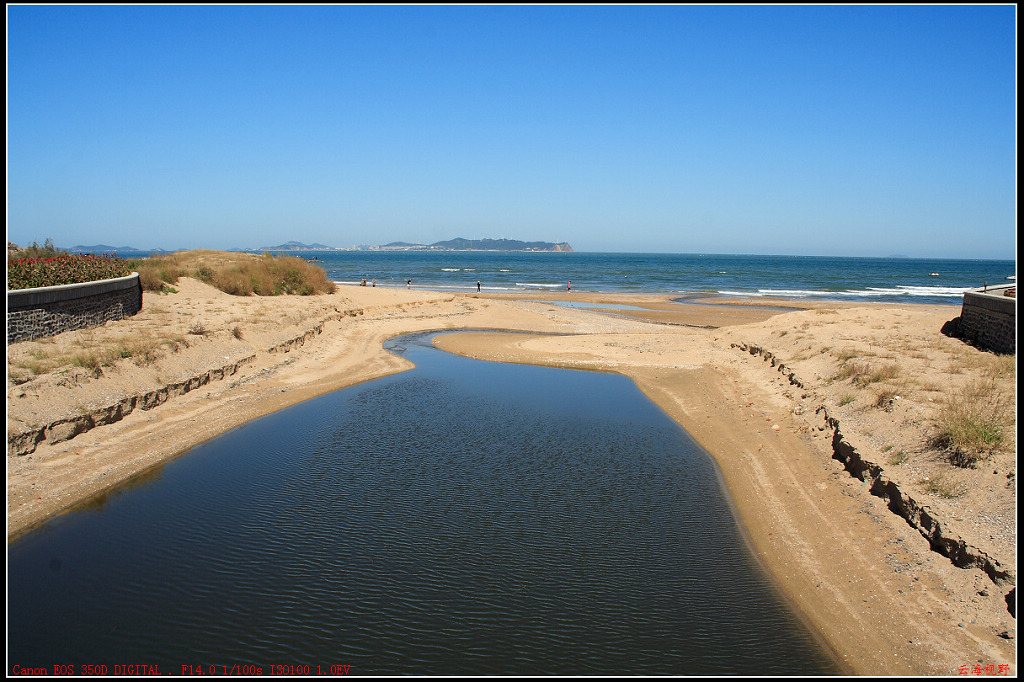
x=568 y=287
x=408 y=284
x=478 y=285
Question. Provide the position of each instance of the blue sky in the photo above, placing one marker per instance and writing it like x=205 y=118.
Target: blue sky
x=842 y=130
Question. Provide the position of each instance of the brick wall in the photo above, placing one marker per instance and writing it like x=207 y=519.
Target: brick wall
x=46 y=311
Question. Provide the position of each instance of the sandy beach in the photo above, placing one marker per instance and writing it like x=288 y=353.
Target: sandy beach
x=819 y=416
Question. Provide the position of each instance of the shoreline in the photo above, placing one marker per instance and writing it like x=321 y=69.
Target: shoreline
x=750 y=299
x=827 y=542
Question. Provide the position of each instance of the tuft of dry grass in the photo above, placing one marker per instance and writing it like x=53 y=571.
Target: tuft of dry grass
x=944 y=485
x=864 y=373
x=899 y=457
x=846 y=354
x=886 y=398
x=885 y=373
x=973 y=422
x=92 y=353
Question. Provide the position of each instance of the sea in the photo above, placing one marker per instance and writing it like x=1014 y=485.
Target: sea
x=822 y=278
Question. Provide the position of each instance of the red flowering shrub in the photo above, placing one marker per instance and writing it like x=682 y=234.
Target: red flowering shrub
x=27 y=273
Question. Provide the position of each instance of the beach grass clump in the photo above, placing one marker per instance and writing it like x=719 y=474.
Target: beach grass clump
x=965 y=359
x=91 y=360
x=846 y=354
x=238 y=274
x=946 y=486
x=853 y=370
x=198 y=329
x=885 y=373
x=973 y=423
x=886 y=398
x=144 y=349
x=34 y=365
x=157 y=274
x=863 y=373
x=899 y=457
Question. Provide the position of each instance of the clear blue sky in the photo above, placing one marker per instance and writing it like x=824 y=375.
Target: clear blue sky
x=843 y=130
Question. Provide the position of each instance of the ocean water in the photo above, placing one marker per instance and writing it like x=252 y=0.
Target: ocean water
x=464 y=517
x=899 y=280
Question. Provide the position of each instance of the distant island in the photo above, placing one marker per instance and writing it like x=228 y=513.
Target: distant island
x=460 y=244
x=295 y=246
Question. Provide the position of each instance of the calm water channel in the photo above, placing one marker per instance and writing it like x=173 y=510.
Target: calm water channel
x=463 y=517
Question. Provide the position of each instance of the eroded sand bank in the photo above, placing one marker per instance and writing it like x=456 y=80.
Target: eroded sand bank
x=759 y=388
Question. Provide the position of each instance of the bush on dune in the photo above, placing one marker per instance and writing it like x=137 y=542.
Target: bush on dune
x=238 y=274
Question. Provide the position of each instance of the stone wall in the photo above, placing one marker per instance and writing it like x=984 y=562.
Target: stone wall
x=988 y=319
x=46 y=311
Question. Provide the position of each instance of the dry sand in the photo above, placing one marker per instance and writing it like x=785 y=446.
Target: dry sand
x=839 y=491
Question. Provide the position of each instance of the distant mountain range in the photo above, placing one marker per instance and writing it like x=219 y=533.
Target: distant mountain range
x=100 y=249
x=294 y=246
x=458 y=244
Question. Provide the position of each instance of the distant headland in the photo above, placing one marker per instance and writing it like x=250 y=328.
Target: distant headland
x=460 y=244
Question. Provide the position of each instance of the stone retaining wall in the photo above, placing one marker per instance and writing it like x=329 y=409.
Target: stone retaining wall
x=47 y=311
x=988 y=319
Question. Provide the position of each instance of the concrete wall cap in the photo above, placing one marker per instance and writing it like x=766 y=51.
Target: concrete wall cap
x=26 y=298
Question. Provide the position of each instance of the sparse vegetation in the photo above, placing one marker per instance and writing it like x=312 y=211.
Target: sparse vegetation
x=945 y=485
x=239 y=274
x=899 y=457
x=886 y=373
x=92 y=354
x=846 y=354
x=864 y=373
x=886 y=398
x=972 y=423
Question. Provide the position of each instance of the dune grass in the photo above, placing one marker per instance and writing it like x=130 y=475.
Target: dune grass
x=92 y=354
x=238 y=274
x=973 y=422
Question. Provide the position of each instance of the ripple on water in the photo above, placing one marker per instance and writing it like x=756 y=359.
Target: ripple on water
x=465 y=517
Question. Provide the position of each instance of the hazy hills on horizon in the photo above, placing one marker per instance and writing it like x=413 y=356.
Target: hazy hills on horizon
x=457 y=244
